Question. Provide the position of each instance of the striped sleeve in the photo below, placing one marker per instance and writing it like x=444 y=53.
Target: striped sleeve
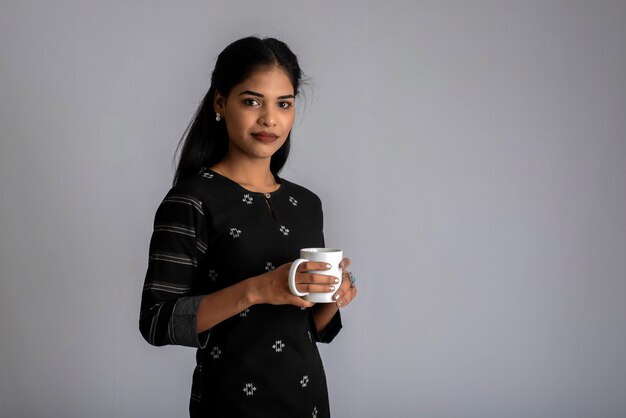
x=168 y=304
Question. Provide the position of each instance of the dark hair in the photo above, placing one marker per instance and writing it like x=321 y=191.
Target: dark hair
x=205 y=141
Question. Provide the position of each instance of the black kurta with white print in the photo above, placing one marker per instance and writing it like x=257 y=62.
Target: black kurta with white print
x=210 y=233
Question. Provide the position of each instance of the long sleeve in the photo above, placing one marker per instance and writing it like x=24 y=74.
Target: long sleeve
x=210 y=233
x=168 y=305
x=330 y=332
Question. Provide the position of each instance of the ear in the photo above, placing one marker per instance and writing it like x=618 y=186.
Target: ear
x=218 y=102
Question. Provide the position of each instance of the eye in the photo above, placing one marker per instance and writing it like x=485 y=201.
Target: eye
x=285 y=105
x=251 y=102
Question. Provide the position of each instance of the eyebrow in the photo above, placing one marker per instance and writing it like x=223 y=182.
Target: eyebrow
x=254 y=93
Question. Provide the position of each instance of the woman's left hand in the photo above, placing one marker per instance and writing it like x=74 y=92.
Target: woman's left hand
x=347 y=291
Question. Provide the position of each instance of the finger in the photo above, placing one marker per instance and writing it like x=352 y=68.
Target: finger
x=316 y=278
x=313 y=265
x=345 y=263
x=323 y=281
x=316 y=288
x=344 y=298
x=347 y=278
x=345 y=285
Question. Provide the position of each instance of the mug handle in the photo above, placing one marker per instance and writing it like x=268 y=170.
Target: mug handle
x=292 y=277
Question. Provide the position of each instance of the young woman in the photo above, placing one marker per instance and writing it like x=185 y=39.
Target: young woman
x=223 y=242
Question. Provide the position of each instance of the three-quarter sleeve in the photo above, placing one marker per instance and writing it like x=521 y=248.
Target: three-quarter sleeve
x=168 y=306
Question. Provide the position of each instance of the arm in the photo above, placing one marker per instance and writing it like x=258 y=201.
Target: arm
x=270 y=287
x=323 y=313
x=168 y=305
x=326 y=315
x=170 y=311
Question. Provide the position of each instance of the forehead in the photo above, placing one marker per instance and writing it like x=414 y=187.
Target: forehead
x=272 y=81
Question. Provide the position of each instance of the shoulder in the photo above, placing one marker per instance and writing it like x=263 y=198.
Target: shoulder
x=193 y=193
x=202 y=186
x=301 y=192
x=191 y=186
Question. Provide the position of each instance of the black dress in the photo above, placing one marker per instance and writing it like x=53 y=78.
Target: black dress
x=210 y=233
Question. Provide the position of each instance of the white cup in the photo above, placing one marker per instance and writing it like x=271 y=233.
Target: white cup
x=332 y=256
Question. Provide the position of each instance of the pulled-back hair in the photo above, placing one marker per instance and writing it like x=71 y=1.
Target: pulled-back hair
x=205 y=141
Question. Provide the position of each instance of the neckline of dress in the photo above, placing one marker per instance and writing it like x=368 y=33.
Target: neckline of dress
x=278 y=180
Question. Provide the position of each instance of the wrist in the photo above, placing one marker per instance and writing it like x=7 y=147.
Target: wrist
x=251 y=295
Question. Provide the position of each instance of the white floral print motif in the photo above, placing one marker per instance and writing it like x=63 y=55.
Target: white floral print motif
x=310 y=338
x=278 y=346
x=284 y=230
x=215 y=353
x=235 y=233
x=314 y=414
x=304 y=381
x=212 y=275
x=293 y=201
x=249 y=389
x=269 y=266
x=207 y=175
x=244 y=314
x=247 y=199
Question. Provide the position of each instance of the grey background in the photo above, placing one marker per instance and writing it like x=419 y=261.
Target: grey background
x=471 y=157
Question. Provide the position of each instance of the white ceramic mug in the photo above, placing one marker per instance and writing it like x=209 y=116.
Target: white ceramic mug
x=332 y=256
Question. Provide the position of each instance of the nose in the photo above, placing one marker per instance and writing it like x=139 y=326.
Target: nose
x=267 y=118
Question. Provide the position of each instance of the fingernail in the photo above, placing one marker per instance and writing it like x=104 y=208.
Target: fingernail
x=331 y=288
x=340 y=303
x=328 y=266
x=336 y=280
x=337 y=296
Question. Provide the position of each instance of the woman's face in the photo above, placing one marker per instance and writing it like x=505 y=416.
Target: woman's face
x=259 y=114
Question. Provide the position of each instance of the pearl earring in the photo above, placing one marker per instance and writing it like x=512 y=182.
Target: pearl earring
x=218 y=117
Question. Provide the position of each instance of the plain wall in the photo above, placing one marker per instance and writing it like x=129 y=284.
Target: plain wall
x=471 y=157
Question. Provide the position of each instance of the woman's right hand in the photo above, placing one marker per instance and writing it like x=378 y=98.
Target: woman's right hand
x=273 y=287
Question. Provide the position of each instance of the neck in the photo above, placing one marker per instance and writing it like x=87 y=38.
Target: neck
x=251 y=174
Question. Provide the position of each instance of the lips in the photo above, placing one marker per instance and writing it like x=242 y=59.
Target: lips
x=266 y=137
